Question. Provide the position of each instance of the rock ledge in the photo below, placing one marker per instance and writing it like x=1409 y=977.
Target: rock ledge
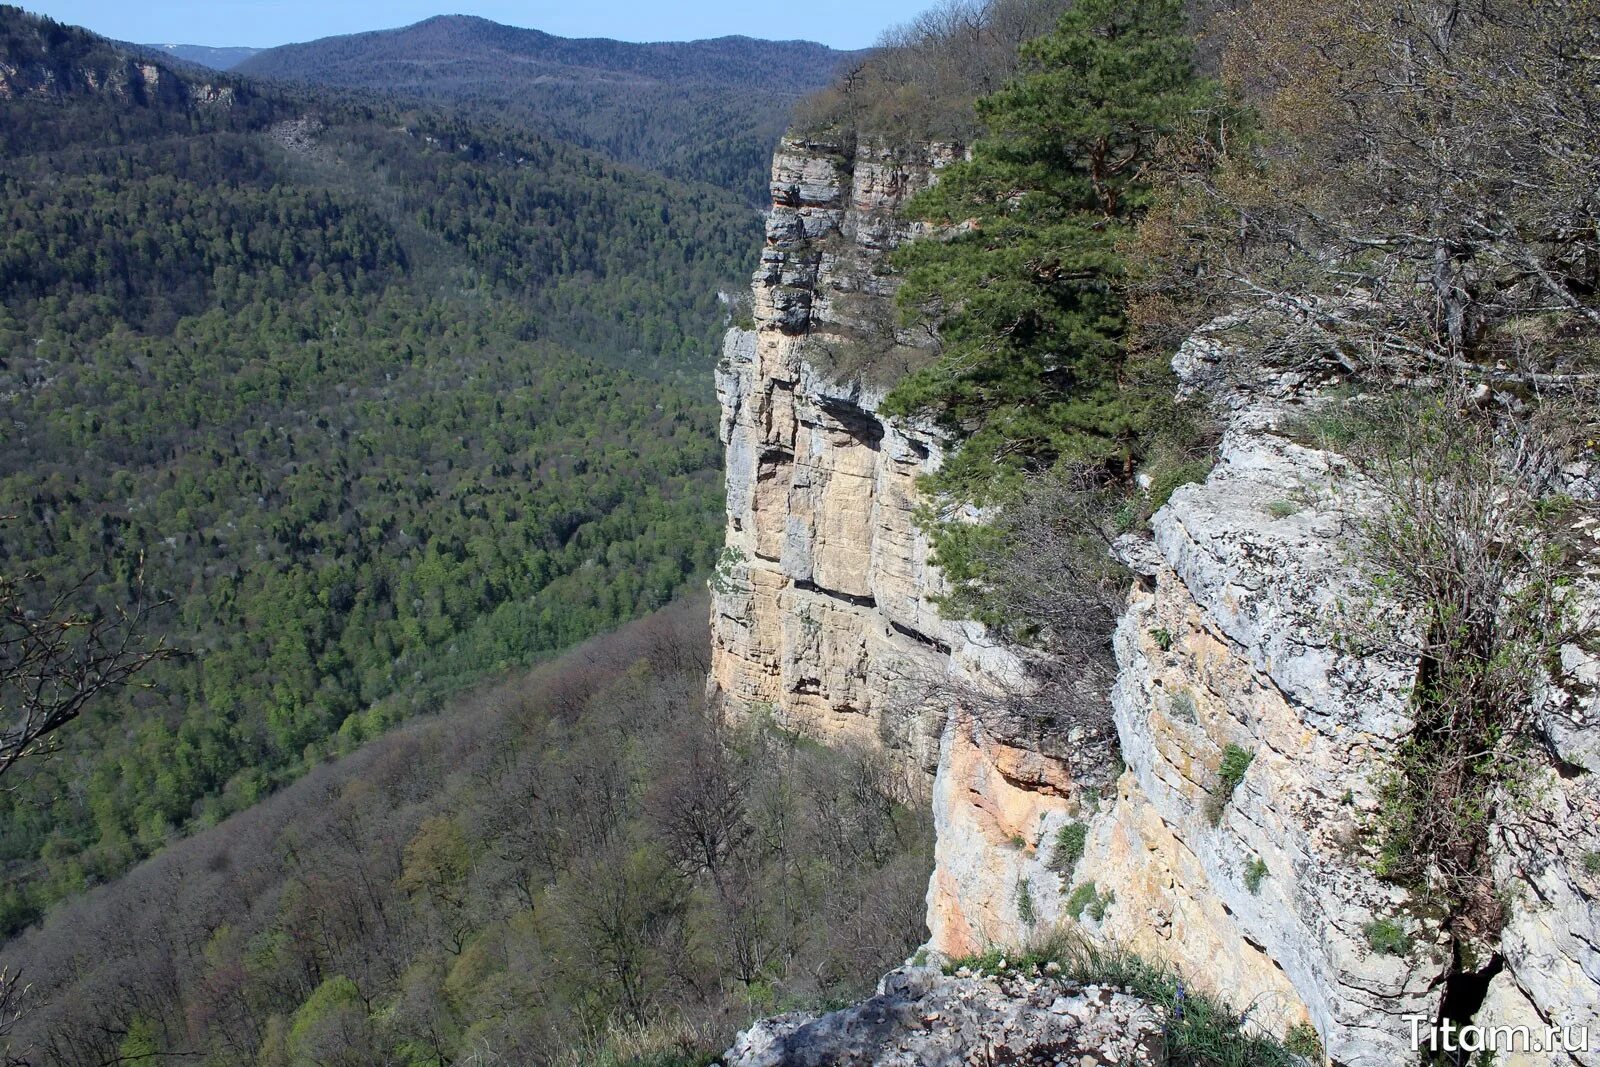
x=924 y=1018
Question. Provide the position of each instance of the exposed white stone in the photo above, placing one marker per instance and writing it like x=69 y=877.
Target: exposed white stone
x=1548 y=865
x=1236 y=644
x=1238 y=632
x=921 y=1018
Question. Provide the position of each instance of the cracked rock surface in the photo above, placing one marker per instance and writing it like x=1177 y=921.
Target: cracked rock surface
x=923 y=1018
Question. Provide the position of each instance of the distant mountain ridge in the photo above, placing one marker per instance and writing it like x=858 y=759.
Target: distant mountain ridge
x=745 y=62
x=706 y=110
x=206 y=55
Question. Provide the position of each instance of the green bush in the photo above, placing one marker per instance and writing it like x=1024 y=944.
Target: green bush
x=1235 y=762
x=1025 y=906
x=1168 y=478
x=1070 y=842
x=1303 y=1040
x=1388 y=938
x=1254 y=872
x=1087 y=899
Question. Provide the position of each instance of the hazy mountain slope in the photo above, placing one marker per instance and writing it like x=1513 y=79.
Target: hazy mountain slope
x=708 y=110
x=738 y=62
x=358 y=388
x=206 y=55
x=517 y=880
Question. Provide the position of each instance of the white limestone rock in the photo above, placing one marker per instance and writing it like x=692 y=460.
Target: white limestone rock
x=920 y=1018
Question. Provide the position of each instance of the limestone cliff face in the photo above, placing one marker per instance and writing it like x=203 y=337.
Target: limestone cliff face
x=822 y=613
x=821 y=605
x=123 y=77
x=1230 y=639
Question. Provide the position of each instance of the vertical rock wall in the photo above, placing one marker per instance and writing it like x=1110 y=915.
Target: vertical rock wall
x=823 y=615
x=822 y=605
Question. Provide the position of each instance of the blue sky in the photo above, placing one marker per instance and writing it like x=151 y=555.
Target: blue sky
x=841 y=23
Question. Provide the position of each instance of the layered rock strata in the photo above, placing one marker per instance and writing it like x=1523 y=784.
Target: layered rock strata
x=1233 y=645
x=823 y=604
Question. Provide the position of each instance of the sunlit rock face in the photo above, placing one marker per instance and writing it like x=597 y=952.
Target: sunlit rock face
x=122 y=77
x=1230 y=637
x=824 y=616
x=823 y=607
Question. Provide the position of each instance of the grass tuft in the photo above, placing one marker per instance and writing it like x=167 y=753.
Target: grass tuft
x=1388 y=938
x=1254 y=872
x=1070 y=842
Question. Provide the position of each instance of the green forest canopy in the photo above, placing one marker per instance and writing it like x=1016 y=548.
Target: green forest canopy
x=382 y=402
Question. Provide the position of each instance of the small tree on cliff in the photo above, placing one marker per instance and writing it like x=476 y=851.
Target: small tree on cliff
x=1025 y=298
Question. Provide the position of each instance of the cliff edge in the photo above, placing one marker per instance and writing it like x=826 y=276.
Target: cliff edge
x=1230 y=840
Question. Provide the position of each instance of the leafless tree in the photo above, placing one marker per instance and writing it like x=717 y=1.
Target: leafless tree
x=921 y=82
x=56 y=659
x=699 y=801
x=13 y=1002
x=1417 y=196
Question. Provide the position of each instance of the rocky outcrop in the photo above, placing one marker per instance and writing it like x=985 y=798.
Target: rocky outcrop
x=1258 y=884
x=42 y=59
x=128 y=79
x=921 y=1018
x=1230 y=638
x=1548 y=869
x=823 y=604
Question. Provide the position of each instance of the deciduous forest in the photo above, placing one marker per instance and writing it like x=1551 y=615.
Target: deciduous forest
x=573 y=867
x=364 y=403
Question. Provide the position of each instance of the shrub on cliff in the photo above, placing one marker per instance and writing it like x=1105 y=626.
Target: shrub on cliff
x=1471 y=561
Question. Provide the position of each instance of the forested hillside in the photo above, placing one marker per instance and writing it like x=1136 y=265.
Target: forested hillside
x=697 y=110
x=367 y=403
x=574 y=867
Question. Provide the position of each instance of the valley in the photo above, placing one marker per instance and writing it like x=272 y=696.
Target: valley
x=295 y=373
x=1065 y=537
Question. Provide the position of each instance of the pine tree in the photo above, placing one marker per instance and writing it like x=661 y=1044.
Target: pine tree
x=1026 y=297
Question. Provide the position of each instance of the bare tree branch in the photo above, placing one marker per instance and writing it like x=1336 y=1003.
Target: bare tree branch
x=55 y=659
